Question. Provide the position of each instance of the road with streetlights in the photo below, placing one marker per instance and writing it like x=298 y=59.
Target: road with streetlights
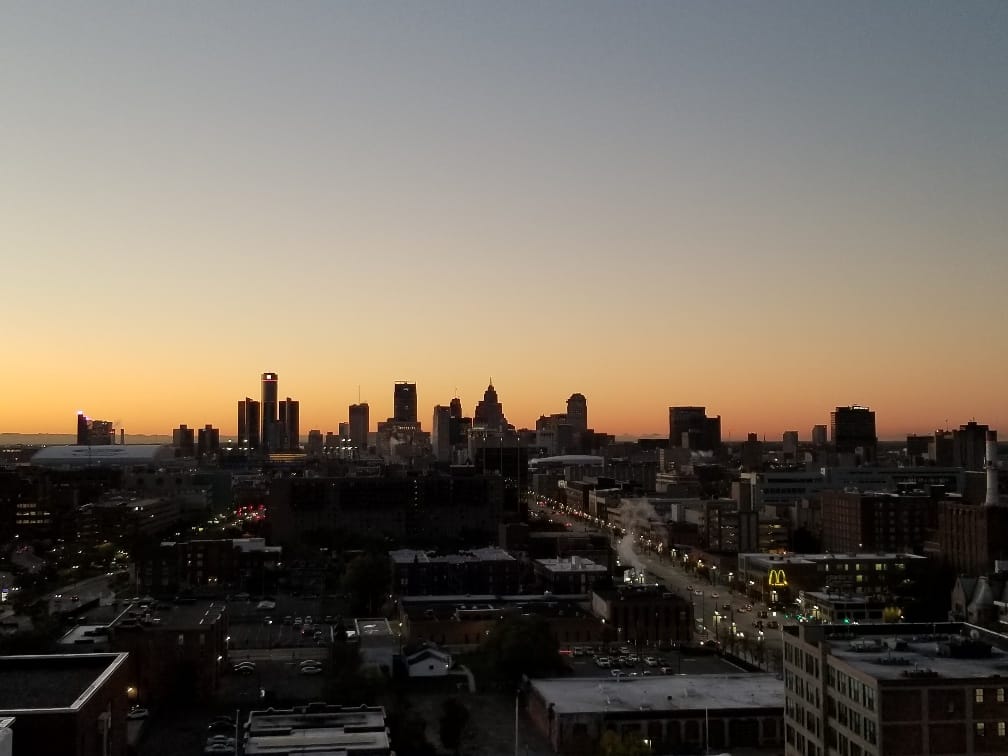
x=721 y=613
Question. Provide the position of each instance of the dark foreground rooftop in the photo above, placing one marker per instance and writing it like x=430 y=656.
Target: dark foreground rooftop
x=60 y=681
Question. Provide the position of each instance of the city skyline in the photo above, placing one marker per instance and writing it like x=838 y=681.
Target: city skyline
x=425 y=415
x=766 y=210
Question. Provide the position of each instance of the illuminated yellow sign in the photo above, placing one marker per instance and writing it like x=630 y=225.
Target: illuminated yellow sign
x=777 y=579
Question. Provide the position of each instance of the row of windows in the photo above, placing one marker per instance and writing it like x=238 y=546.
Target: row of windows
x=978 y=695
x=981 y=729
x=851 y=688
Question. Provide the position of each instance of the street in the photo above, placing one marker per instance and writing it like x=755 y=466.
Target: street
x=720 y=613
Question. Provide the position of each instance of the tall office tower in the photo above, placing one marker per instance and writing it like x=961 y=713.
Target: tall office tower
x=690 y=428
x=94 y=432
x=184 y=441
x=360 y=424
x=315 y=445
x=289 y=426
x=404 y=402
x=207 y=441
x=441 y=433
x=489 y=412
x=344 y=430
x=969 y=445
x=852 y=431
x=269 y=411
x=789 y=444
x=455 y=408
x=248 y=424
x=577 y=412
x=819 y=437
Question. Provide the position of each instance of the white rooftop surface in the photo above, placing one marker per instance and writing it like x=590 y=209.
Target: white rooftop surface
x=485 y=554
x=920 y=656
x=571 y=564
x=665 y=693
x=319 y=741
x=112 y=454
x=90 y=633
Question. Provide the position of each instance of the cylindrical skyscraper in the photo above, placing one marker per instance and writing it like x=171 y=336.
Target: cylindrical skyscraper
x=269 y=411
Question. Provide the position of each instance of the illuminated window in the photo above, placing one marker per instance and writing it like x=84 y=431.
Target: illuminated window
x=980 y=729
x=1000 y=695
x=1001 y=729
x=978 y=695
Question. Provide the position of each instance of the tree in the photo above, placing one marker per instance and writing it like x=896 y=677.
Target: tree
x=612 y=744
x=454 y=718
x=521 y=645
x=367 y=581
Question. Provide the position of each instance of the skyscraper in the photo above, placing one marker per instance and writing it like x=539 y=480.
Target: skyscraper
x=248 y=424
x=441 y=433
x=207 y=441
x=489 y=412
x=690 y=428
x=577 y=412
x=269 y=411
x=404 y=402
x=184 y=441
x=289 y=424
x=360 y=424
x=852 y=431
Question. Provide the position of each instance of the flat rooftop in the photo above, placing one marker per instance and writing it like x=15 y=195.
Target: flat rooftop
x=571 y=564
x=318 y=729
x=416 y=556
x=665 y=693
x=57 y=681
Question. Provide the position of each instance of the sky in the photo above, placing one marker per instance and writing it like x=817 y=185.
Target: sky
x=770 y=209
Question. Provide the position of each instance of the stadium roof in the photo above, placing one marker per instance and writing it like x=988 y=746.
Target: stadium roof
x=102 y=456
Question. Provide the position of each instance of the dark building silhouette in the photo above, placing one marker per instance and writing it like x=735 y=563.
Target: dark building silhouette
x=94 y=432
x=489 y=412
x=577 y=412
x=288 y=422
x=184 y=441
x=852 y=430
x=690 y=428
x=404 y=402
x=249 y=412
x=207 y=441
x=360 y=424
x=968 y=445
x=268 y=435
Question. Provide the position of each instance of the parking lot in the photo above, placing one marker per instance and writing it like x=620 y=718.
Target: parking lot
x=257 y=633
x=671 y=661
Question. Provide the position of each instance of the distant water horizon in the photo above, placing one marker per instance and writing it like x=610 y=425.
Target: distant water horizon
x=63 y=439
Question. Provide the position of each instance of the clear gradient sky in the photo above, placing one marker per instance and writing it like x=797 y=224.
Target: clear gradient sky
x=767 y=208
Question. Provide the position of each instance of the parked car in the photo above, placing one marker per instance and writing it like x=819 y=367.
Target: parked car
x=137 y=712
x=651 y=661
x=311 y=670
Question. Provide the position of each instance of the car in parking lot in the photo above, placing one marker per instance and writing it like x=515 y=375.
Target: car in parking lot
x=603 y=662
x=137 y=712
x=651 y=661
x=311 y=670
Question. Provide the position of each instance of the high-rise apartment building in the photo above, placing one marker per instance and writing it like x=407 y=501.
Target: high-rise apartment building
x=577 y=412
x=268 y=434
x=249 y=424
x=184 y=441
x=852 y=431
x=207 y=441
x=819 y=436
x=968 y=444
x=404 y=402
x=360 y=424
x=289 y=424
x=690 y=428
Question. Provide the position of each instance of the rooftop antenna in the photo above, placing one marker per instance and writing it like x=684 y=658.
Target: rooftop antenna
x=358 y=393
